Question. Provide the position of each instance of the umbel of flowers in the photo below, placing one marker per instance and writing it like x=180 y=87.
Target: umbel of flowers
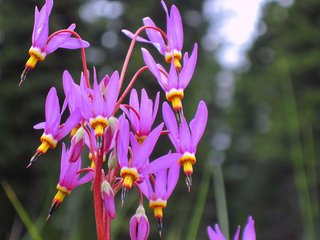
x=123 y=133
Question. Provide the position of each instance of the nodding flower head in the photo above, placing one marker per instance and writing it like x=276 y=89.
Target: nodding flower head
x=143 y=115
x=248 y=233
x=96 y=108
x=108 y=199
x=53 y=132
x=172 y=83
x=164 y=185
x=69 y=178
x=41 y=45
x=185 y=141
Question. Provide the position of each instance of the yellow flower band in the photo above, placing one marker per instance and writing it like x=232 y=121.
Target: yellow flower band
x=140 y=139
x=187 y=160
x=175 y=96
x=99 y=124
x=47 y=142
x=129 y=176
x=158 y=205
x=176 y=58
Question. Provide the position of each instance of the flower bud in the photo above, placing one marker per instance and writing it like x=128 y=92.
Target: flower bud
x=139 y=225
x=108 y=199
x=113 y=160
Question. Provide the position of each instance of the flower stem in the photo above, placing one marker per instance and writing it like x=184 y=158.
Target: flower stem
x=140 y=192
x=83 y=54
x=97 y=194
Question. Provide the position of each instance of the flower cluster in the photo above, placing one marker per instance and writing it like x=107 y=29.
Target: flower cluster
x=122 y=133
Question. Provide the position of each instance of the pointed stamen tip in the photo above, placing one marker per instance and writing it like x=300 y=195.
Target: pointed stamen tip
x=24 y=74
x=35 y=157
x=29 y=165
x=122 y=202
x=48 y=217
x=189 y=188
x=159 y=225
x=124 y=194
x=189 y=181
x=20 y=82
x=99 y=142
x=160 y=234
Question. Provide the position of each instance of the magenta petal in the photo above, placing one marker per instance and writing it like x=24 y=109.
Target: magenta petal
x=98 y=100
x=172 y=78
x=112 y=93
x=188 y=69
x=161 y=163
x=215 y=235
x=177 y=23
x=198 y=124
x=173 y=177
x=236 y=236
x=64 y=162
x=52 y=109
x=86 y=178
x=146 y=187
x=143 y=228
x=134 y=143
x=249 y=232
x=155 y=36
x=109 y=205
x=73 y=120
x=36 y=17
x=41 y=125
x=171 y=123
x=123 y=142
x=146 y=148
x=156 y=107
x=151 y=64
x=70 y=176
x=134 y=103
x=145 y=117
x=161 y=184
x=75 y=43
x=58 y=40
x=185 y=136
x=131 y=35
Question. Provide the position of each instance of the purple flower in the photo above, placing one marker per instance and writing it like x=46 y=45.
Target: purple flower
x=40 y=46
x=69 y=178
x=185 y=141
x=139 y=225
x=248 y=234
x=108 y=199
x=142 y=123
x=96 y=108
x=174 y=34
x=163 y=187
x=171 y=83
x=132 y=170
x=52 y=130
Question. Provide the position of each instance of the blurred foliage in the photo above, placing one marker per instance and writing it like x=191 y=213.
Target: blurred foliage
x=258 y=167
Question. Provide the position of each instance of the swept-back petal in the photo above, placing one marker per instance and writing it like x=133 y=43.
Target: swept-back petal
x=172 y=78
x=171 y=122
x=161 y=184
x=73 y=120
x=58 y=40
x=155 y=37
x=145 y=117
x=41 y=125
x=98 y=100
x=75 y=43
x=64 y=162
x=198 y=124
x=134 y=102
x=177 y=23
x=134 y=143
x=188 y=69
x=112 y=93
x=146 y=187
x=146 y=148
x=156 y=107
x=123 y=142
x=151 y=64
x=131 y=35
x=173 y=177
x=86 y=178
x=249 y=232
x=215 y=235
x=52 y=110
x=185 y=136
x=236 y=236
x=161 y=163
x=36 y=21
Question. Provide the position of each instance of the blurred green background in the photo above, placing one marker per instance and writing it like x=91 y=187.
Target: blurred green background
x=263 y=132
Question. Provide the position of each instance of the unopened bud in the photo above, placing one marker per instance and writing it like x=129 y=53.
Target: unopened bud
x=113 y=160
x=139 y=225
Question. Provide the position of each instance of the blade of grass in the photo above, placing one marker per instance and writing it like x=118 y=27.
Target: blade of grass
x=311 y=169
x=221 y=201
x=291 y=114
x=198 y=210
x=20 y=210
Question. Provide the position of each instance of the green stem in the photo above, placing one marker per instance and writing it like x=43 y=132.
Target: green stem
x=20 y=210
x=292 y=122
x=198 y=210
x=221 y=201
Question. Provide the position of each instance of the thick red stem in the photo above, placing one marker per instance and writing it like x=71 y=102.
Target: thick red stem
x=97 y=194
x=83 y=54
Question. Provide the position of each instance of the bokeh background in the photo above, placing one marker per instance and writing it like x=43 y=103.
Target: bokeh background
x=258 y=71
